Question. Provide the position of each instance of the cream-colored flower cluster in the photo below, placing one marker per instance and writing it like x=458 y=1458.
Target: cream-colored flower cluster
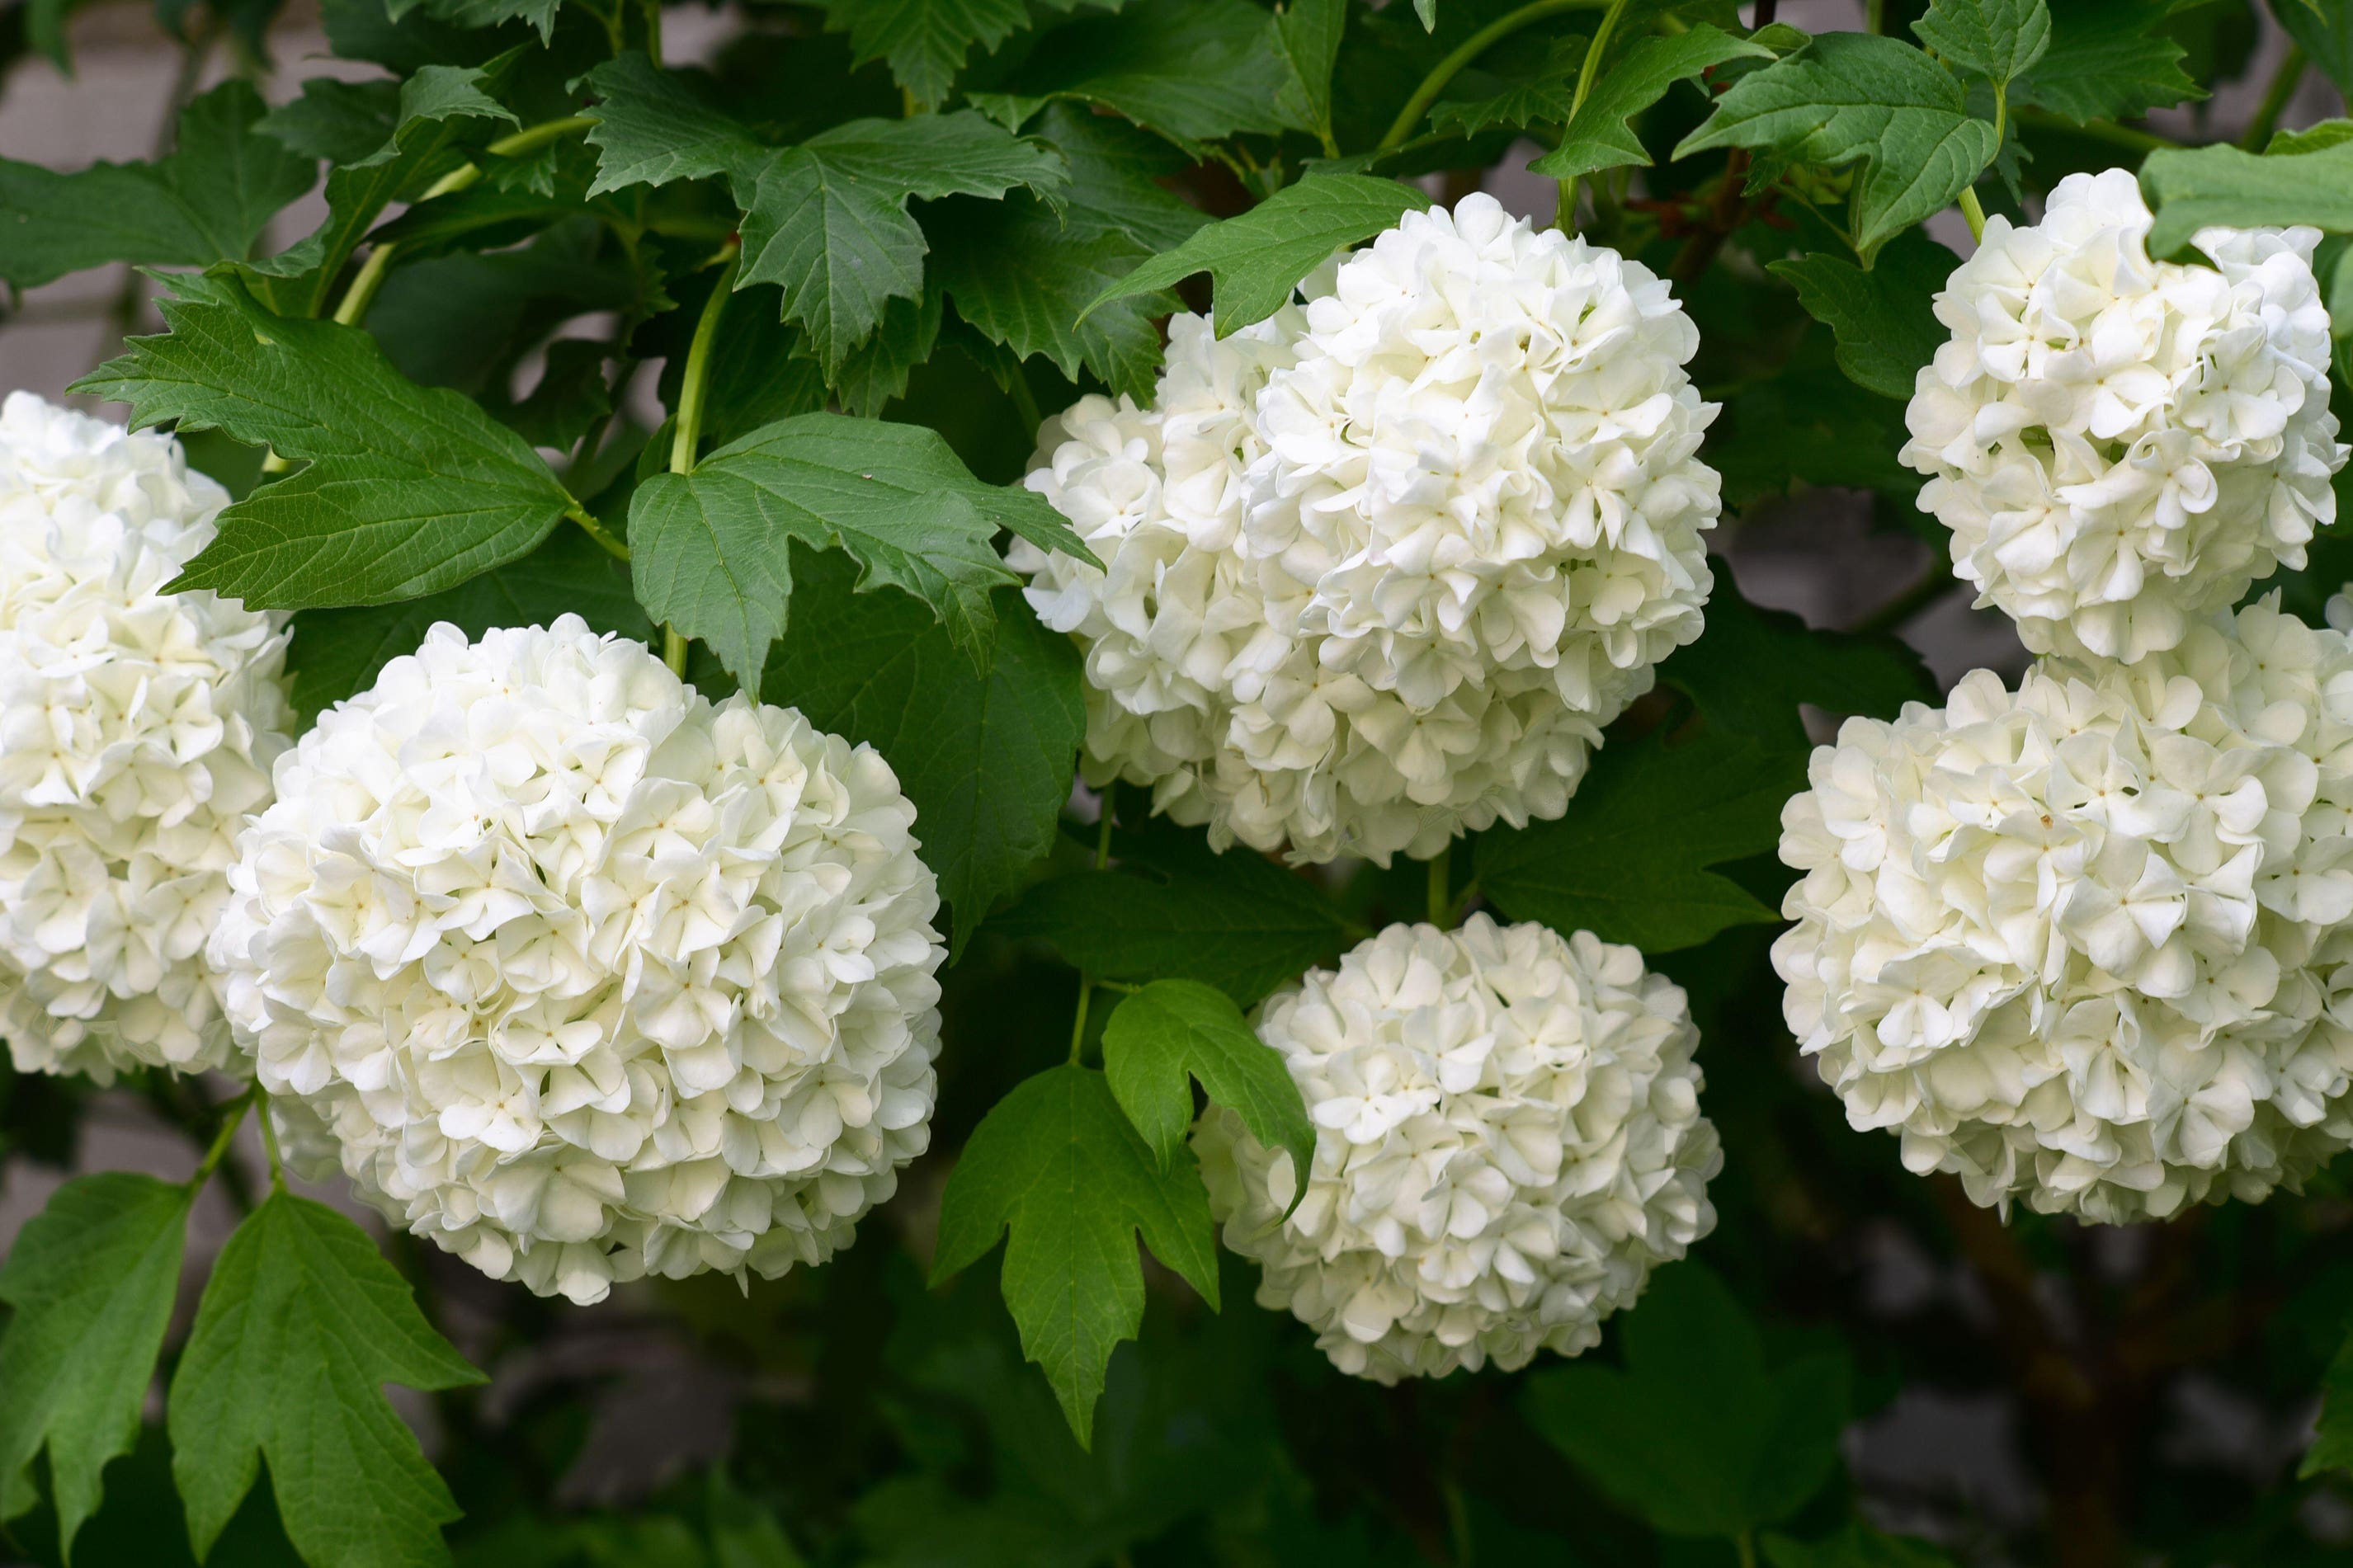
x=588 y=978
x=1378 y=569
x=2121 y=446
x=1508 y=1139
x=2086 y=943
x=137 y=728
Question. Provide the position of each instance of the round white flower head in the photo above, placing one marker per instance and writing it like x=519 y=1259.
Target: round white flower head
x=137 y=729
x=2086 y=943
x=1381 y=567
x=2121 y=446
x=590 y=978
x=1508 y=1139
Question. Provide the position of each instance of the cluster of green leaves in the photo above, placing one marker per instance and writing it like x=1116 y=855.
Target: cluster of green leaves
x=866 y=243
x=300 y=1326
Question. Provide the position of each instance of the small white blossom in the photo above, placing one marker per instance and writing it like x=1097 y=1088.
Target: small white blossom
x=1381 y=567
x=2121 y=446
x=2086 y=944
x=1508 y=1139
x=137 y=729
x=590 y=978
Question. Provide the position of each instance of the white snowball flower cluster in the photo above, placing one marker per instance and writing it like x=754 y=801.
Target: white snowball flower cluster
x=137 y=729
x=1381 y=567
x=2086 y=943
x=2121 y=446
x=1508 y=1138
x=590 y=978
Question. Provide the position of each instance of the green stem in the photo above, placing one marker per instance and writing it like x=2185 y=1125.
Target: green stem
x=1025 y=402
x=2129 y=137
x=1079 y=1020
x=1971 y=210
x=693 y=381
x=597 y=532
x=1744 y=1543
x=1875 y=15
x=219 y=1150
x=694 y=385
x=1564 y=215
x=653 y=32
x=269 y=1143
x=2284 y=83
x=1471 y=48
x=1438 y=910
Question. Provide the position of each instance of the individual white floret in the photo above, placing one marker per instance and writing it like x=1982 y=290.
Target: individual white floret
x=2121 y=446
x=2085 y=944
x=137 y=729
x=1381 y=566
x=591 y=978
x=1508 y=1139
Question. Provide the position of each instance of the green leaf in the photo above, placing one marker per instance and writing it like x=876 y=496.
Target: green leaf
x=1851 y=96
x=744 y=1534
x=1998 y=39
x=92 y=1279
x=926 y=41
x=653 y=126
x=1305 y=36
x=1022 y=278
x=1547 y=95
x=1753 y=668
x=987 y=759
x=1885 y=318
x=1174 y=909
x=2192 y=187
x=341 y=122
x=2332 y=1442
x=207 y=202
x=760 y=372
x=827 y=220
x=2107 y=60
x=1629 y=861
x=2312 y=139
x=571 y=395
x=1055 y=1169
x=338 y=652
x=707 y=548
x=1600 y=137
x=539 y=14
x=1809 y=425
x=405 y=489
x=1115 y=175
x=301 y=1327
x=2325 y=28
x=1855 y=1546
x=1256 y=260
x=440 y=108
x=1192 y=70
x=1697 y=1434
x=877 y=370
x=1158 y=1040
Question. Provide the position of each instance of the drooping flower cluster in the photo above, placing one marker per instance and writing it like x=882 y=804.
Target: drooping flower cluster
x=1508 y=1139
x=1381 y=567
x=2121 y=446
x=137 y=729
x=589 y=978
x=2086 y=943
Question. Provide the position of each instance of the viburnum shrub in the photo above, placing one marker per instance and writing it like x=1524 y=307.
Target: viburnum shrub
x=987 y=747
